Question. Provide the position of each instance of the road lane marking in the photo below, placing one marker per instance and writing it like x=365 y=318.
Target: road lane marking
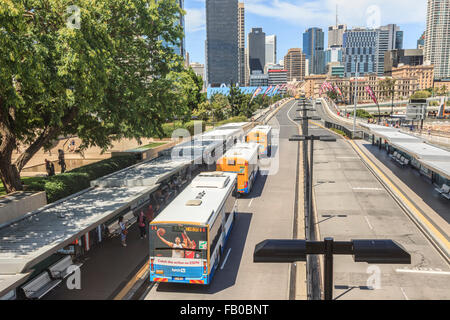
x=367 y=220
x=404 y=294
x=132 y=282
x=250 y=203
x=347 y=158
x=422 y=271
x=224 y=261
x=404 y=199
x=417 y=215
x=369 y=189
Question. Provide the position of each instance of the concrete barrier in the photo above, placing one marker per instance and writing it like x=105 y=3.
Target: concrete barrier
x=17 y=204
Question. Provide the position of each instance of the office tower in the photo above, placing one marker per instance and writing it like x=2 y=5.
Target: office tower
x=277 y=75
x=257 y=49
x=259 y=79
x=367 y=48
x=271 y=49
x=421 y=41
x=336 y=35
x=437 y=37
x=241 y=45
x=333 y=54
x=313 y=48
x=294 y=63
x=222 y=54
x=389 y=38
x=179 y=48
x=199 y=70
x=360 y=45
x=393 y=58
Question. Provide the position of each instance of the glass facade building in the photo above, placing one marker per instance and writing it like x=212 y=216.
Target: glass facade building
x=222 y=53
x=257 y=50
x=313 y=48
x=364 y=48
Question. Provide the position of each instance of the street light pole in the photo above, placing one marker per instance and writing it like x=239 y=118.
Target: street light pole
x=356 y=96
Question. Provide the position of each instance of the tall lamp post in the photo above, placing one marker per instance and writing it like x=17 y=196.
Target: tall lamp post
x=356 y=94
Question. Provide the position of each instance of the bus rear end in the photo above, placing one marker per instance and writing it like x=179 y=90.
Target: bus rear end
x=239 y=166
x=262 y=139
x=179 y=253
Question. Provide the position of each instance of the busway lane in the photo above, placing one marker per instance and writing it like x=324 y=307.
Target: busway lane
x=352 y=204
x=266 y=213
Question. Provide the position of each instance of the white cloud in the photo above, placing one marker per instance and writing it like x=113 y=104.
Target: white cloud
x=351 y=12
x=195 y=20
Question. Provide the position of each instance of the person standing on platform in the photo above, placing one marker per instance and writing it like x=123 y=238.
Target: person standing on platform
x=123 y=231
x=142 y=223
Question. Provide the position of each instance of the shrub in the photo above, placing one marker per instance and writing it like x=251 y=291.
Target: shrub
x=232 y=119
x=169 y=128
x=65 y=184
x=363 y=114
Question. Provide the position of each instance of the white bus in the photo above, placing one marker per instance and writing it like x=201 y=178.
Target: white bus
x=188 y=237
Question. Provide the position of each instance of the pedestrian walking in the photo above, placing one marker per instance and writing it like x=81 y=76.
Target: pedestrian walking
x=142 y=222
x=48 y=167
x=61 y=160
x=123 y=231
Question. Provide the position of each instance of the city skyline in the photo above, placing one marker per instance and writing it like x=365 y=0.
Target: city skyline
x=268 y=15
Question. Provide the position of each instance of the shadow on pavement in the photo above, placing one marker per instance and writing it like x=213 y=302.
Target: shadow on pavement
x=226 y=277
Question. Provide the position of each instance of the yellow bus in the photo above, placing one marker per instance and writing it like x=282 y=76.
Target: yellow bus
x=243 y=160
x=261 y=135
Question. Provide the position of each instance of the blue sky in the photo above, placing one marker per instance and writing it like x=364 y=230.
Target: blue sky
x=288 y=19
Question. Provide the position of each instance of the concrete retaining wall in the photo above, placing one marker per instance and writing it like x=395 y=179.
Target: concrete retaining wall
x=17 y=204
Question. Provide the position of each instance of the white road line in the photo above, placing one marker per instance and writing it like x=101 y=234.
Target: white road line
x=370 y=189
x=347 y=158
x=422 y=271
x=404 y=294
x=224 y=261
x=250 y=203
x=289 y=117
x=367 y=220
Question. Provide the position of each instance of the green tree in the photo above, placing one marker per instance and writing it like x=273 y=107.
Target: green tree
x=424 y=94
x=108 y=77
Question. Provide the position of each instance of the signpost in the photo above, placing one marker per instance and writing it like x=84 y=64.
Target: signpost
x=417 y=110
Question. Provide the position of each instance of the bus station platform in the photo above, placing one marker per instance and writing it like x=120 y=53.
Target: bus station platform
x=430 y=160
x=30 y=245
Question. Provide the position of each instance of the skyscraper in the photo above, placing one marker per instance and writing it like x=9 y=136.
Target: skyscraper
x=389 y=38
x=257 y=49
x=437 y=37
x=360 y=50
x=336 y=35
x=271 y=49
x=313 y=47
x=421 y=41
x=367 y=47
x=222 y=53
x=294 y=63
x=241 y=45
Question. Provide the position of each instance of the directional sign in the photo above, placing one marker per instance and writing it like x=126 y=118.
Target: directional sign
x=416 y=111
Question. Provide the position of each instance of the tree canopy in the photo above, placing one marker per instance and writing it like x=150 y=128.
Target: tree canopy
x=101 y=72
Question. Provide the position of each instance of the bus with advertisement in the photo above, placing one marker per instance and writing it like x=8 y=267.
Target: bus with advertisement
x=188 y=238
x=243 y=160
x=261 y=135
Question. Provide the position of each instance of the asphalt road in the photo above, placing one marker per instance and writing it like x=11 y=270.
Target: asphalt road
x=267 y=213
x=352 y=204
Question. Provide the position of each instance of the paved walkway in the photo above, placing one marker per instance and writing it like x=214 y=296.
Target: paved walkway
x=106 y=269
